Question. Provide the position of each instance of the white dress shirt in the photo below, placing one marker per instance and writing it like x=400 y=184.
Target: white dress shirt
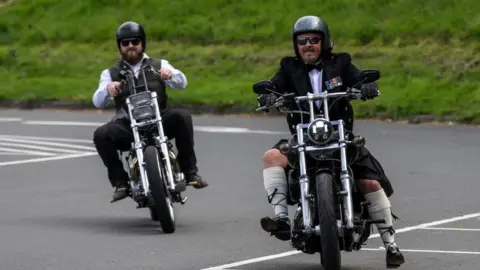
x=316 y=79
x=101 y=97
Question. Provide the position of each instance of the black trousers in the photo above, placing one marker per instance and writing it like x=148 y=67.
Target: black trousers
x=117 y=135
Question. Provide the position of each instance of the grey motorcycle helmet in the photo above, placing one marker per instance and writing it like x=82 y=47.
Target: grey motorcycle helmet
x=312 y=24
x=129 y=30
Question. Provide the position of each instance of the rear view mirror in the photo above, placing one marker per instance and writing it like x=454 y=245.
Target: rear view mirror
x=369 y=75
x=263 y=86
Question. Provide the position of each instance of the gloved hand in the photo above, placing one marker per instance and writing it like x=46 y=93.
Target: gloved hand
x=267 y=99
x=369 y=91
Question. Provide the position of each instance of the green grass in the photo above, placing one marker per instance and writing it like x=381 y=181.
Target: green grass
x=428 y=53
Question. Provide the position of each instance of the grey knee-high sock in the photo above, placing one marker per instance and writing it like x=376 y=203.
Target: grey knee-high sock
x=275 y=182
x=379 y=208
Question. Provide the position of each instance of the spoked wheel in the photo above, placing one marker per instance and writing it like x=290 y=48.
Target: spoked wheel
x=330 y=256
x=157 y=177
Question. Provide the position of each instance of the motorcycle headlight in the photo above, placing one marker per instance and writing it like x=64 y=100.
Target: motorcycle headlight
x=142 y=98
x=143 y=112
x=320 y=131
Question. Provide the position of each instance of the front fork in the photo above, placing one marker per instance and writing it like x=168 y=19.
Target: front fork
x=162 y=141
x=140 y=159
x=346 y=192
x=344 y=177
x=304 y=183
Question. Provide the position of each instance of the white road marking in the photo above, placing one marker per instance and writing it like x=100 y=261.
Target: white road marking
x=29 y=152
x=63 y=123
x=50 y=146
x=451 y=229
x=34 y=141
x=16 y=154
x=23 y=145
x=10 y=119
x=294 y=252
x=37 y=160
x=56 y=139
x=427 y=251
x=211 y=129
x=219 y=129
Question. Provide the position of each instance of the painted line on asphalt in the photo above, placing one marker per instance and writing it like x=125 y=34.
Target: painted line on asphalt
x=28 y=152
x=35 y=140
x=452 y=229
x=427 y=251
x=211 y=129
x=36 y=147
x=294 y=252
x=54 y=148
x=16 y=154
x=63 y=123
x=10 y=119
x=37 y=160
x=55 y=139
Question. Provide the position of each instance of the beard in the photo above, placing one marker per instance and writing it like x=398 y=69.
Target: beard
x=309 y=55
x=132 y=56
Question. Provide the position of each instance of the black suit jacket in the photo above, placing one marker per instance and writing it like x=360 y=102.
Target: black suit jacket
x=292 y=76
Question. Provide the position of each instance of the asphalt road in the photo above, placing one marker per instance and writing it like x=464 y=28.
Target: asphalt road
x=55 y=210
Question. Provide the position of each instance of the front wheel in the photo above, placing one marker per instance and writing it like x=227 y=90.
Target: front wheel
x=153 y=213
x=330 y=256
x=156 y=178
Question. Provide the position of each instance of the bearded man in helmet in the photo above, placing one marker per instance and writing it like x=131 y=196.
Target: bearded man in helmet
x=117 y=134
x=310 y=70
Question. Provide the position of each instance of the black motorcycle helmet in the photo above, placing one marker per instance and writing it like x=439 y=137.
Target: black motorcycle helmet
x=129 y=30
x=312 y=24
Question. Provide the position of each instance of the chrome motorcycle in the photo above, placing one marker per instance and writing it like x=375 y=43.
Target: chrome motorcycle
x=156 y=180
x=332 y=215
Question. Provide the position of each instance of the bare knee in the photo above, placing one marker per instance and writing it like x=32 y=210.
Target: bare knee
x=369 y=186
x=273 y=158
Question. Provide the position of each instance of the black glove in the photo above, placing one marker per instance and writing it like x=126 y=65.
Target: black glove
x=267 y=99
x=369 y=91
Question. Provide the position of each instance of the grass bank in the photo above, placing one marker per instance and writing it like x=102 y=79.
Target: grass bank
x=429 y=55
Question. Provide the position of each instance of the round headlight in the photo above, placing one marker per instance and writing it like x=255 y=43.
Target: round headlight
x=320 y=131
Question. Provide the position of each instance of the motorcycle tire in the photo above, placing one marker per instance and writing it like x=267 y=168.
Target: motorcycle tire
x=153 y=213
x=156 y=175
x=330 y=255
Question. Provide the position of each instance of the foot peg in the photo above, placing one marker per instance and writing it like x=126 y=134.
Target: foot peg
x=197 y=184
x=192 y=183
x=181 y=186
x=369 y=221
x=375 y=221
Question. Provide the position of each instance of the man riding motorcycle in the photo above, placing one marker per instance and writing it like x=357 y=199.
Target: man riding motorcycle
x=314 y=69
x=117 y=134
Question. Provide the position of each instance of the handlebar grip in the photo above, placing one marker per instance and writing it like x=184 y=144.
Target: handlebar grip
x=355 y=93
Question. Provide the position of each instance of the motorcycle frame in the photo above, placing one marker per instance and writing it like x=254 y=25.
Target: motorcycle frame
x=160 y=141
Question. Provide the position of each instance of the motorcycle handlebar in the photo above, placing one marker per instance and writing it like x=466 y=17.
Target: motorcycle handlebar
x=352 y=93
x=127 y=77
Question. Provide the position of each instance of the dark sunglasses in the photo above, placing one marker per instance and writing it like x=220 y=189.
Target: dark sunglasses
x=134 y=41
x=312 y=40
